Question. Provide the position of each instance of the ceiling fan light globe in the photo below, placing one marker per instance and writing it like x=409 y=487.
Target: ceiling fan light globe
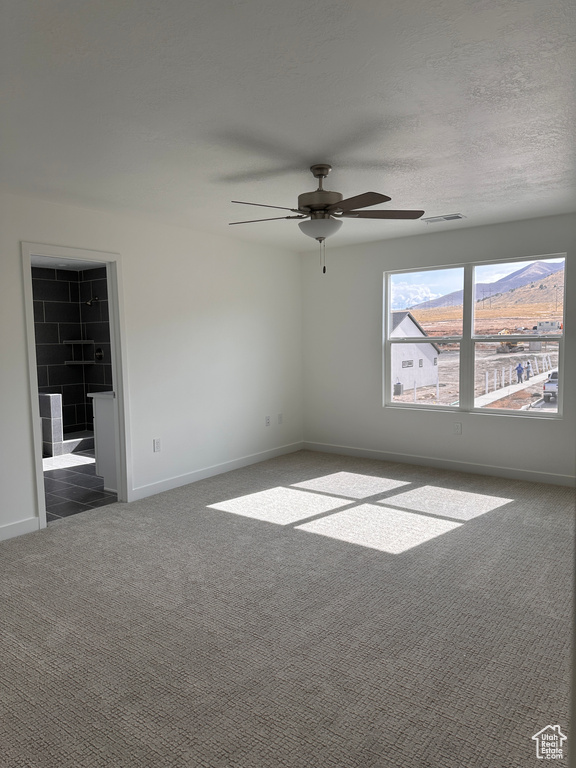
x=320 y=229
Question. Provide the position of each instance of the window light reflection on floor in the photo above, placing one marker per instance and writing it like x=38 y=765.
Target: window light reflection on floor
x=280 y=505
x=351 y=484
x=447 y=502
x=378 y=527
x=393 y=524
x=65 y=460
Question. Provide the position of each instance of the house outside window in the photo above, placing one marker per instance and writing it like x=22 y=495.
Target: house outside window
x=487 y=336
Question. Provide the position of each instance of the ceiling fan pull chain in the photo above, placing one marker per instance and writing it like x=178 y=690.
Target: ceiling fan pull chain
x=323 y=249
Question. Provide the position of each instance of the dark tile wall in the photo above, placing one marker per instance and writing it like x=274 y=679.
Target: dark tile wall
x=95 y=321
x=61 y=315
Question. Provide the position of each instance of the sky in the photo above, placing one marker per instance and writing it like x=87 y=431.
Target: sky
x=410 y=288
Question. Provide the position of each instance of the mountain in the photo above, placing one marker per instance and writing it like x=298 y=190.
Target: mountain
x=549 y=290
x=531 y=274
x=535 y=272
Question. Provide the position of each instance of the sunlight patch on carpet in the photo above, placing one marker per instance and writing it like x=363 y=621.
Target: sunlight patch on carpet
x=280 y=505
x=378 y=527
x=447 y=502
x=351 y=484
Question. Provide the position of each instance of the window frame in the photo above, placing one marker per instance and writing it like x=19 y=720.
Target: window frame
x=467 y=342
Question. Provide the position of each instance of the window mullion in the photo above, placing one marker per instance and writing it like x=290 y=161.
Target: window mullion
x=386 y=388
x=425 y=339
x=467 y=345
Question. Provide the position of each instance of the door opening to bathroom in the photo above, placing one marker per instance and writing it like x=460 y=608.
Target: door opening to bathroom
x=75 y=372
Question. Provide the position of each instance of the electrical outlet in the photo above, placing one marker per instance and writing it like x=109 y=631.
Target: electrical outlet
x=156 y=445
x=457 y=427
x=267 y=421
x=280 y=418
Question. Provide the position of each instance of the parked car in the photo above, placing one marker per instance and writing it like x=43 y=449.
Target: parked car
x=550 y=388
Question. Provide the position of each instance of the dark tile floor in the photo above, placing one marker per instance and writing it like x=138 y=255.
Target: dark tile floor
x=73 y=489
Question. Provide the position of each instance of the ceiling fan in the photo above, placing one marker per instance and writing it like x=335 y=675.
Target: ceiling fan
x=323 y=210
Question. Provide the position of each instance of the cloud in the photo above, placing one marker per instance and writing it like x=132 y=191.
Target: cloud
x=405 y=295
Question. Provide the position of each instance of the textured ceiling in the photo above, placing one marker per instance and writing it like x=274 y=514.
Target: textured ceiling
x=171 y=109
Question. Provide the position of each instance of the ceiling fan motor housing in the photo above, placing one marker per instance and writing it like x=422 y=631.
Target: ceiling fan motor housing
x=318 y=200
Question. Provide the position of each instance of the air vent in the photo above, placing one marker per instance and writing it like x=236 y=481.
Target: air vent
x=446 y=217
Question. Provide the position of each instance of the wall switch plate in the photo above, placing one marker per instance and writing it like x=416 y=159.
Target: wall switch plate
x=267 y=421
x=156 y=445
x=280 y=418
x=457 y=427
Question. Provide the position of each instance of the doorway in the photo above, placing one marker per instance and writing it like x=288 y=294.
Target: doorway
x=74 y=351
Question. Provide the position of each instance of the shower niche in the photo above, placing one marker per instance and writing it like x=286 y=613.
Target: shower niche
x=82 y=352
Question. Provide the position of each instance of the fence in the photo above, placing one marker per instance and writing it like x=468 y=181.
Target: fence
x=498 y=376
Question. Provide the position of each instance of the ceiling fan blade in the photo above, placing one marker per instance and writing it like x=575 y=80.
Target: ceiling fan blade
x=383 y=214
x=274 y=218
x=262 y=205
x=359 y=201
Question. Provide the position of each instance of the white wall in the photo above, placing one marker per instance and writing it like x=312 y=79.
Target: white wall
x=343 y=358
x=213 y=345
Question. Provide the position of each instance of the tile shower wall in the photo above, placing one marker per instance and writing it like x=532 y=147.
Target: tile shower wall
x=61 y=315
x=95 y=320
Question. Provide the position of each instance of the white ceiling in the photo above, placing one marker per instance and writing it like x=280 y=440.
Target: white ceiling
x=170 y=109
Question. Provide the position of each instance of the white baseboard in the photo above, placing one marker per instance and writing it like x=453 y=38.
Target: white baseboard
x=141 y=492
x=456 y=466
x=10 y=530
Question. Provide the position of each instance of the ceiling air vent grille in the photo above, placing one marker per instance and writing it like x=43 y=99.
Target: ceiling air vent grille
x=446 y=217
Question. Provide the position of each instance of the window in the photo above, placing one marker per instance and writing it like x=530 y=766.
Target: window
x=487 y=337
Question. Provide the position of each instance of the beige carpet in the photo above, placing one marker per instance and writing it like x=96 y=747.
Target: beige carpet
x=312 y=611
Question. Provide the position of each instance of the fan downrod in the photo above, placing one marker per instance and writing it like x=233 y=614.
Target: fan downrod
x=320 y=171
